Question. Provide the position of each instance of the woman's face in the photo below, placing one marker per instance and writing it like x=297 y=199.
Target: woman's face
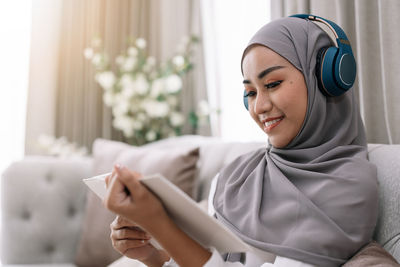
x=277 y=94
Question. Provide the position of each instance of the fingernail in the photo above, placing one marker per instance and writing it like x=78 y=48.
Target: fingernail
x=119 y=166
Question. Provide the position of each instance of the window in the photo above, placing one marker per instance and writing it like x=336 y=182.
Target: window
x=15 y=27
x=228 y=26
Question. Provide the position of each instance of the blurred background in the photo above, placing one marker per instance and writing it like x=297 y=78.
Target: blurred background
x=138 y=71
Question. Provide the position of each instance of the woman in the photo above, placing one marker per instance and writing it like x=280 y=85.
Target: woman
x=308 y=199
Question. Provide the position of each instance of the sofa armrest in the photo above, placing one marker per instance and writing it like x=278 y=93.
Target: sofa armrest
x=43 y=202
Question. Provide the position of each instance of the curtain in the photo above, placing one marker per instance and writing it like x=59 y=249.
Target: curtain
x=75 y=99
x=371 y=27
x=225 y=36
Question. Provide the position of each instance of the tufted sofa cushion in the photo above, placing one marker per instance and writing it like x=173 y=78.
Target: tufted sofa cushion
x=42 y=208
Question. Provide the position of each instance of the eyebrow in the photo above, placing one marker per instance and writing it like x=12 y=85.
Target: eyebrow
x=264 y=73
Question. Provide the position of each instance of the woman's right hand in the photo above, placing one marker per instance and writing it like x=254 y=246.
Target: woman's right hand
x=131 y=241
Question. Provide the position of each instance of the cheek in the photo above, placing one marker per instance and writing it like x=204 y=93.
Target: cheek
x=294 y=103
x=252 y=114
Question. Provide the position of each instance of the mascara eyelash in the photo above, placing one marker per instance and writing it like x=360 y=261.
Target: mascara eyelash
x=273 y=84
x=248 y=94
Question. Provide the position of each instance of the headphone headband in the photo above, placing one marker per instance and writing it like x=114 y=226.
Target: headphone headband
x=337 y=31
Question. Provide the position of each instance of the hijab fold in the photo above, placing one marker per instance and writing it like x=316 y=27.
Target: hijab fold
x=316 y=199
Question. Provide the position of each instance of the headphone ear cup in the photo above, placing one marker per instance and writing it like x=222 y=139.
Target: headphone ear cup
x=327 y=65
x=318 y=69
x=245 y=100
x=345 y=70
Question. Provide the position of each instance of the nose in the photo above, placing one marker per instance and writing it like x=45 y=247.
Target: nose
x=263 y=102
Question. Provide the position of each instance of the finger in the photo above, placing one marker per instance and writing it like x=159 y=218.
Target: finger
x=129 y=233
x=107 y=180
x=115 y=195
x=130 y=179
x=126 y=244
x=110 y=177
x=121 y=221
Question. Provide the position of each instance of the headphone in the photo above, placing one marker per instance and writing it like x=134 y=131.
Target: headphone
x=336 y=65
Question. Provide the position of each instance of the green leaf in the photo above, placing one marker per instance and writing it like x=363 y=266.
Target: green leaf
x=193 y=119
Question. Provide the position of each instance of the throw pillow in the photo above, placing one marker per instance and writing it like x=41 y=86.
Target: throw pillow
x=372 y=255
x=178 y=164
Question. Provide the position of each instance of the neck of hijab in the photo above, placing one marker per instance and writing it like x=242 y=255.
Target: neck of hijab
x=316 y=199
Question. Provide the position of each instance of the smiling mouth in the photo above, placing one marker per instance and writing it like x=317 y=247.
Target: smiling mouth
x=269 y=125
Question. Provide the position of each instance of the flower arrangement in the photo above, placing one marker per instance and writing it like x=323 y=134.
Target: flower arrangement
x=145 y=96
x=60 y=147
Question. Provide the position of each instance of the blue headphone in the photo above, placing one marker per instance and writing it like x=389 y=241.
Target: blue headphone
x=336 y=66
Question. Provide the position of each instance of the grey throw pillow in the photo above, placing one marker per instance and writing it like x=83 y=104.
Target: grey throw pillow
x=178 y=164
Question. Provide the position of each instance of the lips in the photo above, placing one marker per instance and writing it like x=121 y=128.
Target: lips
x=271 y=123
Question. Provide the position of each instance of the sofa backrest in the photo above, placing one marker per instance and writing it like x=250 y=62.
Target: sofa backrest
x=387 y=160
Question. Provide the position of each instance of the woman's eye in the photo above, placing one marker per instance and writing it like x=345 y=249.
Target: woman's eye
x=273 y=84
x=250 y=94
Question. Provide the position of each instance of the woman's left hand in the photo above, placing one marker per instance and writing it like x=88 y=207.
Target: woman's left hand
x=129 y=198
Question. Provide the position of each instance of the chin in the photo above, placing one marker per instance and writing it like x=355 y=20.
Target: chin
x=278 y=144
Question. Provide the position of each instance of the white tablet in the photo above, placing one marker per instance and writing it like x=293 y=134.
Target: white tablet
x=185 y=212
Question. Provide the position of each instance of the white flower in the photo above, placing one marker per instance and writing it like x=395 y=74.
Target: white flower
x=141 y=43
x=132 y=51
x=45 y=140
x=141 y=84
x=120 y=60
x=141 y=117
x=125 y=124
x=142 y=91
x=203 y=108
x=88 y=52
x=137 y=125
x=157 y=87
x=128 y=85
x=108 y=98
x=106 y=79
x=173 y=83
x=129 y=64
x=176 y=119
x=96 y=59
x=60 y=147
x=155 y=109
x=178 y=61
x=121 y=107
x=151 y=136
x=151 y=61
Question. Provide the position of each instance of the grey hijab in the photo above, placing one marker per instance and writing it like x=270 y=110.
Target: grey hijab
x=316 y=199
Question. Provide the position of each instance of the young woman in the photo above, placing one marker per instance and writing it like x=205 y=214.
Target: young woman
x=308 y=199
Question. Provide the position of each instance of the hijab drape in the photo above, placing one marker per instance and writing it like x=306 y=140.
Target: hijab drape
x=316 y=199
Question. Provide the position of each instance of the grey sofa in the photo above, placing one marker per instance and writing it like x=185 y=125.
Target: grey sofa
x=43 y=199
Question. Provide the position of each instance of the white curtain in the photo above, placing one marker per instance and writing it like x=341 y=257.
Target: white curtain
x=371 y=26
x=227 y=27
